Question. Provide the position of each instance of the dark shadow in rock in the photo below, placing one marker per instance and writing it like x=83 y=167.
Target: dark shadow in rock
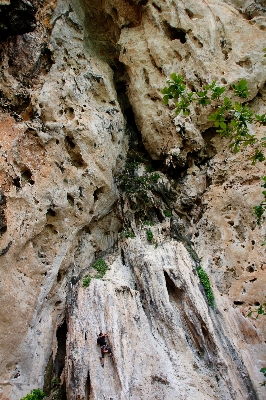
x=59 y=362
x=17 y=18
x=3 y=221
x=174 y=33
x=88 y=387
x=74 y=152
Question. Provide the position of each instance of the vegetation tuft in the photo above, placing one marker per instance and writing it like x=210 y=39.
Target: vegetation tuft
x=127 y=233
x=204 y=279
x=86 y=281
x=167 y=213
x=231 y=119
x=35 y=394
x=148 y=223
x=138 y=186
x=149 y=235
x=101 y=267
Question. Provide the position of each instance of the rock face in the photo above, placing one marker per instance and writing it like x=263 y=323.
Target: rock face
x=165 y=343
x=80 y=94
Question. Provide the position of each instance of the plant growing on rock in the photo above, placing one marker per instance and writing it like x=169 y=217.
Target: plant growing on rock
x=86 y=281
x=127 y=233
x=137 y=186
x=231 y=119
x=101 y=267
x=167 y=213
x=263 y=370
x=149 y=235
x=261 y=310
x=56 y=381
x=204 y=279
x=148 y=222
x=35 y=394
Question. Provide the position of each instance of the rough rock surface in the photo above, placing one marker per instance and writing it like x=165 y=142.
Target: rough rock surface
x=79 y=85
x=165 y=342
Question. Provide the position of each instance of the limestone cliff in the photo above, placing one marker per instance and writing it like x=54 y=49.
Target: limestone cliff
x=80 y=97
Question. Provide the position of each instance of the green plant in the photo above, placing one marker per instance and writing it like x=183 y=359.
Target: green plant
x=167 y=213
x=137 y=186
x=149 y=235
x=65 y=180
x=35 y=394
x=149 y=168
x=261 y=310
x=204 y=279
x=56 y=381
x=127 y=233
x=101 y=267
x=263 y=370
x=147 y=222
x=86 y=281
x=231 y=119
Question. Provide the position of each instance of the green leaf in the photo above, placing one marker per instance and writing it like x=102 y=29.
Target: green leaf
x=241 y=88
x=165 y=100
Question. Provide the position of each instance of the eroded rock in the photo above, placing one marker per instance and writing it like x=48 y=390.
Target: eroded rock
x=74 y=93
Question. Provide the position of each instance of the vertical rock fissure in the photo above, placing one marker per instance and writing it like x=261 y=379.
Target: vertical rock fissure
x=88 y=387
x=59 y=362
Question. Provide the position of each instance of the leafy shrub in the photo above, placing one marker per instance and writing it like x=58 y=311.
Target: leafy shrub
x=137 y=187
x=35 y=394
x=149 y=235
x=86 y=281
x=56 y=381
x=127 y=234
x=231 y=119
x=101 y=267
x=147 y=222
x=261 y=310
x=167 y=213
x=204 y=279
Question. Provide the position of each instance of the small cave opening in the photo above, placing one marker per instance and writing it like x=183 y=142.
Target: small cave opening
x=97 y=192
x=174 y=33
x=238 y=303
x=74 y=152
x=70 y=199
x=26 y=176
x=59 y=362
x=70 y=142
x=175 y=294
x=87 y=387
x=16 y=182
x=50 y=212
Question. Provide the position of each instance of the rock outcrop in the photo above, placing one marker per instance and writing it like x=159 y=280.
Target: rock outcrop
x=80 y=94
